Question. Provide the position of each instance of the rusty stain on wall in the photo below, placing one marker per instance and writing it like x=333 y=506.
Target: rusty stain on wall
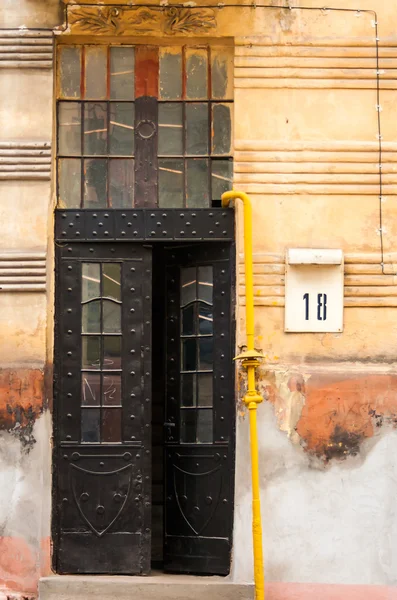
x=329 y=414
x=21 y=402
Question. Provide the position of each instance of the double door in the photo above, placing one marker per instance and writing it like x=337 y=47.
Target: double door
x=132 y=332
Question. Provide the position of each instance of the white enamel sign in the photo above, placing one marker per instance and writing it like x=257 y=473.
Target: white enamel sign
x=314 y=290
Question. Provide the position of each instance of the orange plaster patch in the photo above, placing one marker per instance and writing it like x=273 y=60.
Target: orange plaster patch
x=19 y=569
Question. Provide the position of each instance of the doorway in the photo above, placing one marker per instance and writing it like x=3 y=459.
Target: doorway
x=144 y=408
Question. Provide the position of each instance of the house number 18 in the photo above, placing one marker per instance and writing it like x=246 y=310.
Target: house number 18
x=321 y=307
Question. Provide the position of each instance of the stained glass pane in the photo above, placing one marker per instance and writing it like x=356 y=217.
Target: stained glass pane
x=188 y=426
x=197 y=128
x=69 y=71
x=111 y=425
x=196 y=73
x=197 y=183
x=188 y=390
x=95 y=183
x=221 y=129
x=204 y=427
x=171 y=183
x=205 y=391
x=112 y=352
x=91 y=317
x=69 y=183
x=170 y=129
x=170 y=73
x=122 y=65
x=122 y=117
x=189 y=355
x=95 y=72
x=90 y=425
x=91 y=280
x=111 y=317
x=189 y=320
x=121 y=182
x=69 y=128
x=95 y=128
x=91 y=389
x=206 y=346
x=111 y=390
x=111 y=278
x=205 y=283
x=188 y=285
x=91 y=352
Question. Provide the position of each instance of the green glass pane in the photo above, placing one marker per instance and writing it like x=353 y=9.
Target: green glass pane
x=196 y=74
x=197 y=135
x=91 y=317
x=111 y=390
x=222 y=178
x=189 y=320
x=91 y=281
x=170 y=129
x=206 y=321
x=170 y=73
x=188 y=389
x=121 y=182
x=171 y=183
x=69 y=128
x=95 y=183
x=189 y=354
x=221 y=129
x=95 y=128
x=205 y=426
x=122 y=66
x=197 y=183
x=69 y=183
x=206 y=349
x=111 y=352
x=90 y=389
x=188 y=285
x=111 y=425
x=90 y=425
x=205 y=389
x=69 y=71
x=111 y=317
x=111 y=280
x=91 y=352
x=121 y=135
x=188 y=426
x=205 y=283
x=95 y=72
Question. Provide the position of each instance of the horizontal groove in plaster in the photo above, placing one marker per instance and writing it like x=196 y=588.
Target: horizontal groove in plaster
x=25 y=160
x=26 y=49
x=22 y=272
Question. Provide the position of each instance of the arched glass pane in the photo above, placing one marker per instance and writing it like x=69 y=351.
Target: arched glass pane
x=91 y=317
x=111 y=317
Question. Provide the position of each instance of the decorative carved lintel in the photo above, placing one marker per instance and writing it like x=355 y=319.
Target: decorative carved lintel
x=127 y=20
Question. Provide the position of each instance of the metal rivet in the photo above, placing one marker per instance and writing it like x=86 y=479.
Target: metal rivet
x=132 y=372
x=132 y=395
x=102 y=464
x=68 y=437
x=147 y=399
x=133 y=437
x=132 y=417
x=138 y=456
x=222 y=418
x=132 y=289
x=132 y=351
x=69 y=353
x=69 y=331
x=69 y=416
x=69 y=268
x=132 y=330
x=69 y=374
x=91 y=249
x=132 y=310
x=69 y=395
x=133 y=269
x=69 y=310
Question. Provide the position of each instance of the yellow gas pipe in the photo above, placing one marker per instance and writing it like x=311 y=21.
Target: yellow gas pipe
x=250 y=360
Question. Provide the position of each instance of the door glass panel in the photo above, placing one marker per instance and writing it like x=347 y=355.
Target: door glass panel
x=204 y=426
x=189 y=320
x=196 y=73
x=91 y=352
x=171 y=183
x=111 y=425
x=205 y=284
x=69 y=71
x=69 y=182
x=197 y=192
x=188 y=426
x=111 y=390
x=90 y=389
x=170 y=73
x=189 y=355
x=188 y=285
x=121 y=134
x=122 y=80
x=197 y=128
x=188 y=390
x=95 y=128
x=95 y=183
x=91 y=317
x=69 y=128
x=205 y=353
x=90 y=425
x=91 y=284
x=170 y=129
x=95 y=72
x=111 y=317
x=112 y=352
x=205 y=389
x=111 y=273
x=206 y=324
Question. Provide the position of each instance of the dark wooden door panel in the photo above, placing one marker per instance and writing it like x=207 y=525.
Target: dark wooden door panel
x=200 y=413
x=102 y=489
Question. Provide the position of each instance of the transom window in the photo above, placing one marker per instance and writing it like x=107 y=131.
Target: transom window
x=144 y=126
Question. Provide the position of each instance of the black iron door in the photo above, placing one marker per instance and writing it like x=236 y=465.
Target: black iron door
x=102 y=459
x=200 y=410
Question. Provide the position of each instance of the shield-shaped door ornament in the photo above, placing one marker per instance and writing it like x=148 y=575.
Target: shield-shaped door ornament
x=197 y=496
x=100 y=496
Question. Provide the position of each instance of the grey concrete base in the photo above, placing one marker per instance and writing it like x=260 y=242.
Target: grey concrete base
x=162 y=587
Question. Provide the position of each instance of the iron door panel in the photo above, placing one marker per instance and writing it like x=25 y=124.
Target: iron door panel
x=200 y=476
x=102 y=486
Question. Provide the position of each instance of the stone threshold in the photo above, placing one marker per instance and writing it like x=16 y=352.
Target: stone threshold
x=163 y=586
